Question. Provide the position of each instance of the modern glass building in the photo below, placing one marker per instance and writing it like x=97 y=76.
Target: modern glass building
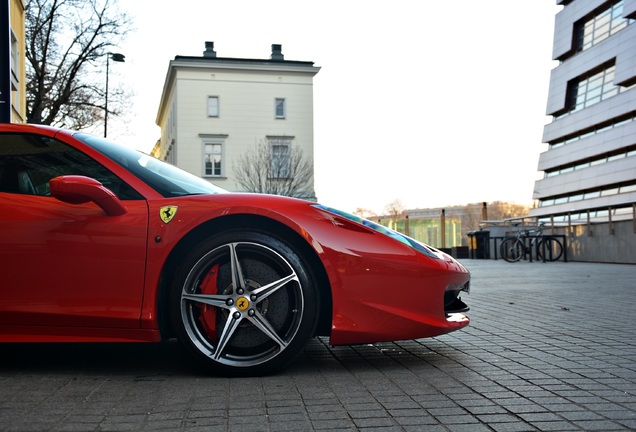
x=589 y=169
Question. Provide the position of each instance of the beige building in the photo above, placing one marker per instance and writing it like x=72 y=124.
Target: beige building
x=215 y=109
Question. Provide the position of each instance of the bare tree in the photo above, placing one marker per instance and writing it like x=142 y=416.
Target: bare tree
x=500 y=210
x=395 y=209
x=65 y=40
x=364 y=212
x=275 y=168
x=497 y=211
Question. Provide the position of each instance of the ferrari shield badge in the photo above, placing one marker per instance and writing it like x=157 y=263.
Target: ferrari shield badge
x=167 y=213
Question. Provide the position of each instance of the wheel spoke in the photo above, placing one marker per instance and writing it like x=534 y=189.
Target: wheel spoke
x=269 y=289
x=261 y=323
x=237 y=271
x=231 y=325
x=208 y=299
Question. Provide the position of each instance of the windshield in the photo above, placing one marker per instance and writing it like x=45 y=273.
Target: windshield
x=166 y=179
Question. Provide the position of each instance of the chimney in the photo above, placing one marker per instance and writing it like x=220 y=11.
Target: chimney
x=209 y=50
x=277 y=54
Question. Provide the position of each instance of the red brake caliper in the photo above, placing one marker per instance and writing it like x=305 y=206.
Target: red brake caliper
x=208 y=313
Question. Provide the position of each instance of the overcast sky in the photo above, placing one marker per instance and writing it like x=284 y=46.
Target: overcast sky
x=415 y=101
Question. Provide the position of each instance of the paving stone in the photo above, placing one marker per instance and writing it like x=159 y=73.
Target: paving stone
x=543 y=352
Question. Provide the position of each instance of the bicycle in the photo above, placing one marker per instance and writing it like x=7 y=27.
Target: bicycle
x=513 y=248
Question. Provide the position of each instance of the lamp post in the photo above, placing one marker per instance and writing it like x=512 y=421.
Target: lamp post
x=118 y=58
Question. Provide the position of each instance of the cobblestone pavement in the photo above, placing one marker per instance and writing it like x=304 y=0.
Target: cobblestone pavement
x=551 y=347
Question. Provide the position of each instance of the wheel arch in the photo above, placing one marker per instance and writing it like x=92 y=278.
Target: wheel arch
x=257 y=223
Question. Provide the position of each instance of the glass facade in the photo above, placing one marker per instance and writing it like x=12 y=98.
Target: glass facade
x=590 y=132
x=591 y=82
x=599 y=27
x=595 y=193
x=623 y=153
x=592 y=89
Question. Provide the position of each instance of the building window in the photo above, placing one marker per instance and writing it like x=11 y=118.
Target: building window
x=280 y=108
x=280 y=158
x=212 y=159
x=599 y=27
x=213 y=106
x=590 y=194
x=610 y=157
x=15 y=57
x=16 y=99
x=618 y=122
x=171 y=152
x=592 y=89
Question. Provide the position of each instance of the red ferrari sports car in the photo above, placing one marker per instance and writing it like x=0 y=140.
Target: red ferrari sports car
x=100 y=242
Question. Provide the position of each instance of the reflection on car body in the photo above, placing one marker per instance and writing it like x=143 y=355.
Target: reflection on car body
x=104 y=243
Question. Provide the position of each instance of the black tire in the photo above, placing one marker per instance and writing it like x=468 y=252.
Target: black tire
x=550 y=248
x=512 y=249
x=244 y=303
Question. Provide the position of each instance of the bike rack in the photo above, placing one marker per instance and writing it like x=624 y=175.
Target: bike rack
x=529 y=256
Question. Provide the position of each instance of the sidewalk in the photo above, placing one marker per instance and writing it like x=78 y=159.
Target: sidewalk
x=551 y=347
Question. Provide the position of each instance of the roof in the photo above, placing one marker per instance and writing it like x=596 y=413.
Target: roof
x=204 y=59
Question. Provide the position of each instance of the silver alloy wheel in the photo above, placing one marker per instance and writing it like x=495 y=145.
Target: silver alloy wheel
x=242 y=304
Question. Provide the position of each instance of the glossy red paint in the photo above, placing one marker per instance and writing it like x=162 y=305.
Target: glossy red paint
x=75 y=189
x=382 y=290
x=83 y=265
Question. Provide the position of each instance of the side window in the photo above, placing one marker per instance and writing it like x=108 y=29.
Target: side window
x=29 y=162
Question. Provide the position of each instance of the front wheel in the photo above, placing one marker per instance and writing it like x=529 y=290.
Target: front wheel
x=244 y=303
x=549 y=249
x=512 y=249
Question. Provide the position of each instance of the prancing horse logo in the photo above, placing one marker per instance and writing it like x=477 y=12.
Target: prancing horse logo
x=166 y=213
x=242 y=303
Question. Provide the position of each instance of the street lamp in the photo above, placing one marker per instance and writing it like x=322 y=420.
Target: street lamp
x=118 y=58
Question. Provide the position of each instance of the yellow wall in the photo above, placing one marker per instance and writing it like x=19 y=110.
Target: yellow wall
x=18 y=79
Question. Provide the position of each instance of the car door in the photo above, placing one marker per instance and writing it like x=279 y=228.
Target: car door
x=66 y=265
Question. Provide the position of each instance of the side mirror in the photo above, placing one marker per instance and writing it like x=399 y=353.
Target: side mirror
x=75 y=189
